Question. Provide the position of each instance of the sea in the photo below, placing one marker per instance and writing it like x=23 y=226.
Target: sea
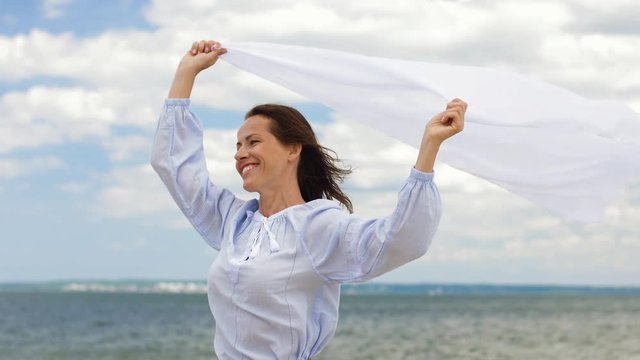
x=156 y=319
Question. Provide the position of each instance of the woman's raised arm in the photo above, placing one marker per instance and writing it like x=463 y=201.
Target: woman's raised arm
x=178 y=156
x=361 y=249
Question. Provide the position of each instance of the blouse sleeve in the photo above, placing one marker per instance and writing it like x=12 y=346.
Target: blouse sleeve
x=359 y=249
x=178 y=158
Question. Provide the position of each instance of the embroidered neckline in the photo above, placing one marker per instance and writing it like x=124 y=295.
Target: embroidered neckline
x=254 y=250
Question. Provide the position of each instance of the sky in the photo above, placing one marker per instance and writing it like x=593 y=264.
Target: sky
x=82 y=84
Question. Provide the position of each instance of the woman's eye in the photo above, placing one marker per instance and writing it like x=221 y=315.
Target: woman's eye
x=253 y=142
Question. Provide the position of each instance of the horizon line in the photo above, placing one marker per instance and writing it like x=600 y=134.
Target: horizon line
x=421 y=283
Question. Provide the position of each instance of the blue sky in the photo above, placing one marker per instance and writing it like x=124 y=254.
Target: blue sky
x=84 y=18
x=82 y=84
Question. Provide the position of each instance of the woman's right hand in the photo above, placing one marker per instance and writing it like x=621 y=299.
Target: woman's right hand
x=202 y=55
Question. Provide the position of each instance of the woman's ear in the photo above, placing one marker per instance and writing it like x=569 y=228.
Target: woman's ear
x=294 y=151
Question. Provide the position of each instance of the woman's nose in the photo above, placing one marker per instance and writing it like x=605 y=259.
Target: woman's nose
x=240 y=154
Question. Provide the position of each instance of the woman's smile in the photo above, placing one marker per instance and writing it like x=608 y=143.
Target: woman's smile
x=247 y=168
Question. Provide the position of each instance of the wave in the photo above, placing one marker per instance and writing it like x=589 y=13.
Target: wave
x=119 y=286
x=160 y=287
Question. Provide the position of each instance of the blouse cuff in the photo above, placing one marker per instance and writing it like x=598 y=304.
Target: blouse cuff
x=177 y=102
x=421 y=175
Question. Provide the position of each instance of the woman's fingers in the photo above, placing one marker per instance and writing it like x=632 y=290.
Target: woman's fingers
x=450 y=115
x=206 y=46
x=217 y=48
x=448 y=122
x=211 y=46
x=457 y=111
x=455 y=107
x=457 y=101
x=453 y=118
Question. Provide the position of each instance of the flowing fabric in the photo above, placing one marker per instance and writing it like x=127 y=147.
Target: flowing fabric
x=553 y=147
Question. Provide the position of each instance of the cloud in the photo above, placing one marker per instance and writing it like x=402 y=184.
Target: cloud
x=379 y=162
x=123 y=148
x=612 y=17
x=594 y=65
x=12 y=168
x=126 y=59
x=131 y=192
x=501 y=230
x=47 y=115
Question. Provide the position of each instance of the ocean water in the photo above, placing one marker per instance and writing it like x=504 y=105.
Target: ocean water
x=96 y=324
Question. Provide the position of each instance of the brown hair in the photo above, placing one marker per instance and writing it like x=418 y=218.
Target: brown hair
x=318 y=172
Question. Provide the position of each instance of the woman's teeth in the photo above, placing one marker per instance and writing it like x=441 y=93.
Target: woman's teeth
x=247 y=168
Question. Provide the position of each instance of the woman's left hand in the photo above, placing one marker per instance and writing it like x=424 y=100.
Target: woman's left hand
x=441 y=127
x=447 y=123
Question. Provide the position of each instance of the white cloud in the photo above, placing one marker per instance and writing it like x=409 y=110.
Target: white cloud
x=612 y=17
x=44 y=115
x=502 y=231
x=379 y=161
x=132 y=191
x=124 y=148
x=12 y=168
x=129 y=60
x=24 y=56
x=586 y=62
x=31 y=135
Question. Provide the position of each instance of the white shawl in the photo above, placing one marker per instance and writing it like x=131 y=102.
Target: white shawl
x=559 y=150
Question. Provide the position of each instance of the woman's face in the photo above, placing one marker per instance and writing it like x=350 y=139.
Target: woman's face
x=261 y=160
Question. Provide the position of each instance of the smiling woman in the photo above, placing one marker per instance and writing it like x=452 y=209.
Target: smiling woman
x=281 y=300
x=313 y=167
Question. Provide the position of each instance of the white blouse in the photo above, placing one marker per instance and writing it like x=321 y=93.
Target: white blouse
x=274 y=288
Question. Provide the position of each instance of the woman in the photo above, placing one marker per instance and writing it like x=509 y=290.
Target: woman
x=274 y=288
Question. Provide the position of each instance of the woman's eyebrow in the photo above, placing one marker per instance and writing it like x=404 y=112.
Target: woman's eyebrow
x=246 y=138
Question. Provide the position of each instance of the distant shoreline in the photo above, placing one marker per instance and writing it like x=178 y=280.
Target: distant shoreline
x=199 y=287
